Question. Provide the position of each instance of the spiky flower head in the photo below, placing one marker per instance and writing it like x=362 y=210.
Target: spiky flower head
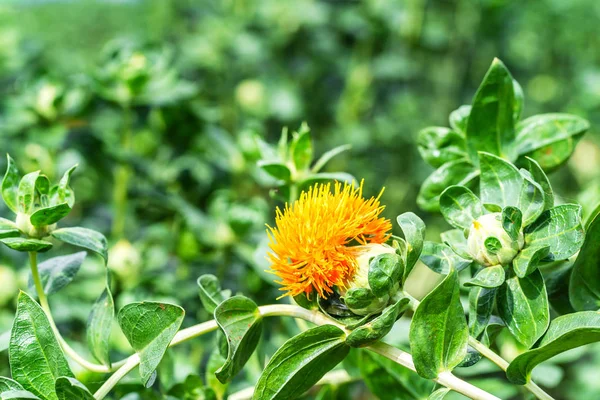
x=316 y=241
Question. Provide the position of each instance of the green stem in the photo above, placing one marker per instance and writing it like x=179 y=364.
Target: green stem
x=493 y=357
x=37 y=281
x=394 y=354
x=122 y=176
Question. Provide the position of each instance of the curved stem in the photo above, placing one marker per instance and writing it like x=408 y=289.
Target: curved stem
x=493 y=357
x=37 y=281
x=394 y=354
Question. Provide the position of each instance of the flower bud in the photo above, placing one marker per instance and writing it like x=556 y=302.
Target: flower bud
x=489 y=244
x=24 y=224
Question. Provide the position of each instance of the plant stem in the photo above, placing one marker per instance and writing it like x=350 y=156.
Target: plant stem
x=46 y=307
x=493 y=357
x=394 y=354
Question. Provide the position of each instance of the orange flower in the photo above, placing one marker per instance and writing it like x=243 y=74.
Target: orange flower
x=312 y=243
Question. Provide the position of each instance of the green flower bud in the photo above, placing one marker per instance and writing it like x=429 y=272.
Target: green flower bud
x=24 y=224
x=489 y=244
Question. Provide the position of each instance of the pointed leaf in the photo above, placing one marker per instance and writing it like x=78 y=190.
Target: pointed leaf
x=70 y=388
x=83 y=237
x=489 y=277
x=565 y=333
x=528 y=259
x=241 y=322
x=523 y=306
x=460 y=207
x=276 y=169
x=512 y=221
x=459 y=119
x=301 y=148
x=99 y=324
x=36 y=359
x=491 y=126
x=559 y=228
x=26 y=192
x=481 y=304
x=538 y=175
x=58 y=272
x=149 y=327
x=413 y=228
x=50 y=215
x=301 y=362
x=500 y=182
x=22 y=244
x=10 y=185
x=62 y=193
x=210 y=292
x=327 y=156
x=438 y=331
x=531 y=199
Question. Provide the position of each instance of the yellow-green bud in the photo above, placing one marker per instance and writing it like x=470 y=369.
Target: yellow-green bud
x=24 y=224
x=489 y=244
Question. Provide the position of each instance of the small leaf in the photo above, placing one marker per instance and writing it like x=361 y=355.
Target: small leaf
x=459 y=119
x=460 y=207
x=439 y=145
x=385 y=272
x=519 y=101
x=10 y=185
x=99 y=324
x=458 y=172
x=523 y=306
x=22 y=244
x=241 y=322
x=58 y=272
x=277 y=170
x=362 y=301
x=512 y=221
x=49 y=215
x=301 y=148
x=559 y=228
x=538 y=175
x=42 y=184
x=528 y=260
x=500 y=182
x=492 y=244
x=489 y=277
x=531 y=200
x=441 y=258
x=301 y=362
x=481 y=304
x=491 y=125
x=327 y=156
x=62 y=193
x=210 y=292
x=36 y=359
x=550 y=138
x=565 y=333
x=584 y=286
x=70 y=388
x=378 y=327
x=83 y=237
x=26 y=192
x=413 y=229
x=149 y=327
x=8 y=229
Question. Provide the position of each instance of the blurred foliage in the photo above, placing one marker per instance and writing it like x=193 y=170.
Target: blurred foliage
x=165 y=105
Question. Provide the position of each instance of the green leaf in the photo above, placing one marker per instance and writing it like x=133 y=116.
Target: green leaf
x=8 y=229
x=500 y=182
x=327 y=156
x=362 y=301
x=528 y=259
x=83 y=237
x=565 y=333
x=301 y=362
x=441 y=258
x=584 y=286
x=491 y=125
x=559 y=228
x=70 y=388
x=458 y=172
x=550 y=138
x=439 y=145
x=481 y=304
x=492 y=244
x=58 y=272
x=519 y=101
x=276 y=169
x=489 y=277
x=22 y=244
x=439 y=394
x=36 y=359
x=241 y=322
x=385 y=272
x=455 y=239
x=301 y=148
x=7 y=384
x=460 y=207
x=378 y=327
x=62 y=193
x=438 y=331
x=26 y=192
x=512 y=221
x=42 y=184
x=210 y=292
x=99 y=324
x=523 y=306
x=538 y=175
x=18 y=395
x=49 y=215
x=413 y=229
x=10 y=185
x=149 y=327
x=531 y=199
x=459 y=119
x=390 y=381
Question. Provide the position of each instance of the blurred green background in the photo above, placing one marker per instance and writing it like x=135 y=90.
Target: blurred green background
x=161 y=104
